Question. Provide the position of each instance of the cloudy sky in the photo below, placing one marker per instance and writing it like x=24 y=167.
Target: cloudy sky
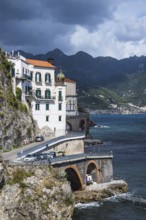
x=114 y=28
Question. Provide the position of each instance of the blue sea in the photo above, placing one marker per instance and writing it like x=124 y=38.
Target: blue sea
x=125 y=136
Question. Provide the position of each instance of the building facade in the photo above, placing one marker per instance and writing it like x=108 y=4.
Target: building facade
x=70 y=92
x=47 y=99
x=71 y=97
x=75 y=121
x=51 y=98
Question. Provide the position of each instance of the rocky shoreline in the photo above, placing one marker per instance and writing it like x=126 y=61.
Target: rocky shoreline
x=97 y=192
x=117 y=111
x=92 y=142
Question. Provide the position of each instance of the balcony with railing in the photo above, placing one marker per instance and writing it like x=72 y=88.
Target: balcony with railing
x=48 y=82
x=38 y=82
x=23 y=76
x=45 y=97
x=28 y=93
x=38 y=96
x=28 y=77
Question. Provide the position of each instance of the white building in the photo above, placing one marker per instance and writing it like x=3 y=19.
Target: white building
x=75 y=121
x=71 y=95
x=48 y=99
x=21 y=75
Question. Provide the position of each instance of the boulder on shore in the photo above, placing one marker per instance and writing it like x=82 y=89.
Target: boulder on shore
x=97 y=192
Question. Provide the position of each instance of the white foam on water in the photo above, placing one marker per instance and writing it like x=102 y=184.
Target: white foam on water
x=125 y=195
x=101 y=126
x=112 y=199
x=86 y=205
x=116 y=198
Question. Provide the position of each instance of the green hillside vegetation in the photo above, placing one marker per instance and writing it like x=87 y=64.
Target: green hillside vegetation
x=99 y=98
x=6 y=94
x=133 y=89
x=123 y=80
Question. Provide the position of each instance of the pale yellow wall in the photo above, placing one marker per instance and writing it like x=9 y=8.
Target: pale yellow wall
x=70 y=88
x=70 y=147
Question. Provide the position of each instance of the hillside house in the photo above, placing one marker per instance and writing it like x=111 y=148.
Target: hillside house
x=51 y=98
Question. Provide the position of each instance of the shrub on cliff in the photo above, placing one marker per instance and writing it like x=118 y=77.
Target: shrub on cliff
x=5 y=65
x=18 y=93
x=18 y=175
x=15 y=119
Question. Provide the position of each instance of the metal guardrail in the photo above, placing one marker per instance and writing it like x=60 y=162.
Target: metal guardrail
x=75 y=157
x=49 y=144
x=44 y=97
x=66 y=159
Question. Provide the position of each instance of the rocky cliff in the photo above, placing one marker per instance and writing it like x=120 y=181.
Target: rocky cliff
x=28 y=193
x=16 y=123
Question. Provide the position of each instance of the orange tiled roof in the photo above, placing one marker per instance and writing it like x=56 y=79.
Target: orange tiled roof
x=69 y=80
x=40 y=63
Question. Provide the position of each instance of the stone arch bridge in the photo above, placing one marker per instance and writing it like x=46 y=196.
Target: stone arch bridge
x=78 y=167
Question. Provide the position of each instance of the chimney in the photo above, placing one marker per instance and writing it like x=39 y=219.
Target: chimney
x=51 y=60
x=12 y=53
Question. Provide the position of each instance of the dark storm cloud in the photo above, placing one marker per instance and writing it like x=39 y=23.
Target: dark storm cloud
x=64 y=11
x=79 y=11
x=38 y=22
x=16 y=9
x=106 y=26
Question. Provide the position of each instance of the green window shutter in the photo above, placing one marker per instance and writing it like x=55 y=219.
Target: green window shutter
x=47 y=78
x=40 y=77
x=47 y=94
x=38 y=93
x=59 y=106
x=47 y=106
x=37 y=106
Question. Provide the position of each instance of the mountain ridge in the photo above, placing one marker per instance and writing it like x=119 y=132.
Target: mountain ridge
x=98 y=72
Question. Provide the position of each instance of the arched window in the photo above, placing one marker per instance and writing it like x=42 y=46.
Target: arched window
x=47 y=94
x=38 y=93
x=38 y=77
x=60 y=95
x=74 y=104
x=47 y=78
x=82 y=125
x=70 y=103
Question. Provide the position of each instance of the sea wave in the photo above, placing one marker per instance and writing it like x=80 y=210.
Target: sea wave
x=87 y=205
x=116 y=198
x=101 y=126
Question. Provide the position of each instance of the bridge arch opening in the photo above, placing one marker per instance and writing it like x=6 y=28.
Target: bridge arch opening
x=82 y=125
x=92 y=170
x=74 y=178
x=68 y=126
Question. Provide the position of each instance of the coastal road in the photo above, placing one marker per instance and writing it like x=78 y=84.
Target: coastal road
x=41 y=146
x=12 y=155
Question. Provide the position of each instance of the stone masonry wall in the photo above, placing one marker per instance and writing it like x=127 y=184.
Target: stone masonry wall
x=70 y=147
x=103 y=171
